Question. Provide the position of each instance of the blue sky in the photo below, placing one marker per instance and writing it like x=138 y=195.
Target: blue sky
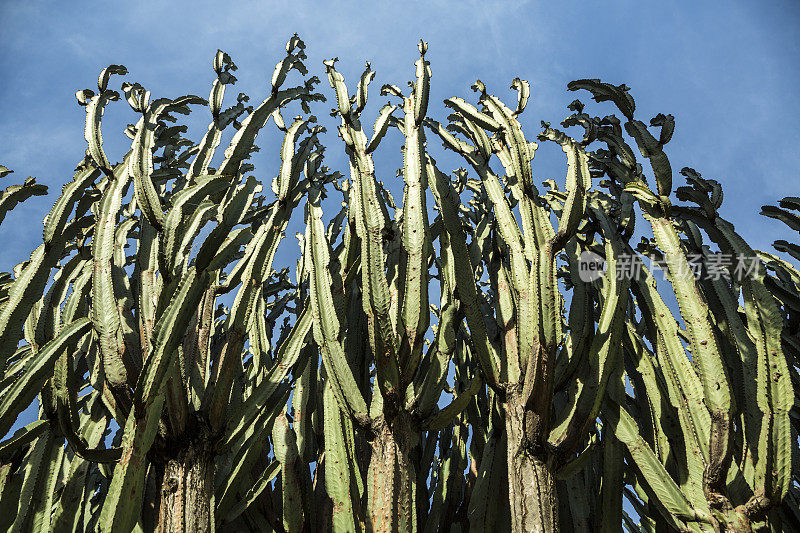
x=728 y=75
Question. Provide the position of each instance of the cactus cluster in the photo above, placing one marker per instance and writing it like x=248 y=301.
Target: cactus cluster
x=185 y=383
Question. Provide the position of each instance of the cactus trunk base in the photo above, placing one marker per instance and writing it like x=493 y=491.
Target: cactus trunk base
x=532 y=487
x=187 y=489
x=392 y=477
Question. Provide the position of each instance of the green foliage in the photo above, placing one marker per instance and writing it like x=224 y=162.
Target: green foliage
x=527 y=398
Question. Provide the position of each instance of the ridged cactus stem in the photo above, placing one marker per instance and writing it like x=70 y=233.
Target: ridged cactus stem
x=370 y=223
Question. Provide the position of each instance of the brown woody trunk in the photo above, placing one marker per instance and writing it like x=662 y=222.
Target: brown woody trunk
x=392 y=477
x=531 y=485
x=187 y=488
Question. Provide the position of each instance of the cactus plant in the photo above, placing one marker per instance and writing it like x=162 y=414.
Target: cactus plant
x=136 y=340
x=528 y=398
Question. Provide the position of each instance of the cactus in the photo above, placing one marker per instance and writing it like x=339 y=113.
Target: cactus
x=731 y=402
x=137 y=339
x=188 y=383
x=394 y=295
